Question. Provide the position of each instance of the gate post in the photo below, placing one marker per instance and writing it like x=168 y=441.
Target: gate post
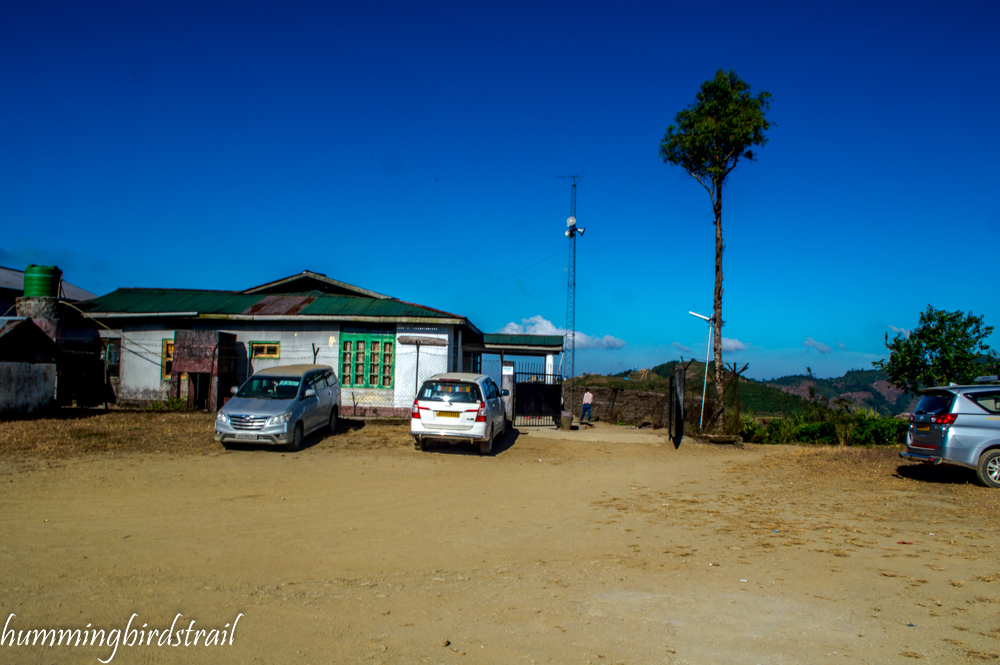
x=677 y=405
x=507 y=383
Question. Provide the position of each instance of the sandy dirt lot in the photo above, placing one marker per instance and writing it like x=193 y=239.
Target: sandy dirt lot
x=600 y=546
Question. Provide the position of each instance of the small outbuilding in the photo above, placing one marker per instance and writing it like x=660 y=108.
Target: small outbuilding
x=28 y=359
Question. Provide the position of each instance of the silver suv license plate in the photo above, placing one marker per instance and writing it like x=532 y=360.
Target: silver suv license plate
x=246 y=437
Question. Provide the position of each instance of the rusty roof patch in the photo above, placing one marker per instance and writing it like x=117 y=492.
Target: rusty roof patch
x=280 y=305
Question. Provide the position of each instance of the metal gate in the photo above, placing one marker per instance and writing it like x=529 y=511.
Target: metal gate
x=537 y=398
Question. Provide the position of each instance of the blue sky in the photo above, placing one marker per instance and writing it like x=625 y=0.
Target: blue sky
x=412 y=149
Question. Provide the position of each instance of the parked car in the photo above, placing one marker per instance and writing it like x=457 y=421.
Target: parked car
x=459 y=408
x=960 y=426
x=281 y=405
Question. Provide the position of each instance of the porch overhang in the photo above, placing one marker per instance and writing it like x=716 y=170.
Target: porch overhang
x=517 y=345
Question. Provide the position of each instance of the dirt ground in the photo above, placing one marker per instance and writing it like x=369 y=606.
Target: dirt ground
x=599 y=546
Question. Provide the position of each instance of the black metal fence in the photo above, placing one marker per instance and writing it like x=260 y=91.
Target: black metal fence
x=537 y=396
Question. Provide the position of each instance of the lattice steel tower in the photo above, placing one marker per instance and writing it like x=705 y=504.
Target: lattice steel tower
x=571 y=233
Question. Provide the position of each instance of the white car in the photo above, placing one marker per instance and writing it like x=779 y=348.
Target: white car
x=459 y=408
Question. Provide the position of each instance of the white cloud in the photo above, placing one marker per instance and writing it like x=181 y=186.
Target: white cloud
x=734 y=344
x=681 y=347
x=819 y=346
x=900 y=331
x=539 y=325
x=841 y=346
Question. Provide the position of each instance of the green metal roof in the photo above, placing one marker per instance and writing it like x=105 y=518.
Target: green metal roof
x=523 y=340
x=159 y=302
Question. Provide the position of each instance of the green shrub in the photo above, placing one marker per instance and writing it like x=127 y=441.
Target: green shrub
x=750 y=428
x=781 y=430
x=172 y=404
x=823 y=432
x=881 y=432
x=859 y=428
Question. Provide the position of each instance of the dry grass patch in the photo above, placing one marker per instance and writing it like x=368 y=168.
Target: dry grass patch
x=79 y=432
x=83 y=432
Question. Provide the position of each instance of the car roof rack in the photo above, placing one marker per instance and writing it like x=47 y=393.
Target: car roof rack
x=993 y=378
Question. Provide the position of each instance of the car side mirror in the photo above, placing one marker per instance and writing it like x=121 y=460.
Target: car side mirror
x=504 y=393
x=310 y=392
x=234 y=390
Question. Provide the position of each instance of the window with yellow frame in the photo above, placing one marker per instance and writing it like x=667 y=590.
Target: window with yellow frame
x=166 y=358
x=265 y=349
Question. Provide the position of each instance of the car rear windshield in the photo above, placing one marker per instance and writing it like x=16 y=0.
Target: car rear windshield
x=270 y=387
x=935 y=403
x=449 y=391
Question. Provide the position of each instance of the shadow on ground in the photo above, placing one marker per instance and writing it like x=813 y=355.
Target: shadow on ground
x=500 y=445
x=942 y=474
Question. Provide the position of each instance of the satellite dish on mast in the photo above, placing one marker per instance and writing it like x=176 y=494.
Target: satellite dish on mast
x=571 y=221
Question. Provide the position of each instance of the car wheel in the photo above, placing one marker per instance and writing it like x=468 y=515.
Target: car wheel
x=486 y=447
x=297 y=436
x=988 y=469
x=333 y=420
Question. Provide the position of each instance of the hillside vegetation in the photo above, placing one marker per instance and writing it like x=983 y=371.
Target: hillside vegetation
x=863 y=388
x=787 y=395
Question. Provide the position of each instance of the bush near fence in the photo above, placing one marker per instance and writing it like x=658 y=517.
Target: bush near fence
x=851 y=429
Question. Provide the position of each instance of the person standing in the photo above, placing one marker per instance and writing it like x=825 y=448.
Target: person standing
x=588 y=400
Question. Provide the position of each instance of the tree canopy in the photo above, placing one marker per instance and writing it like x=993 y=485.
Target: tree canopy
x=720 y=128
x=945 y=347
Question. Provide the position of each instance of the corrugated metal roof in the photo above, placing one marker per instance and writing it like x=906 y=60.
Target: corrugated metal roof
x=523 y=340
x=166 y=301
x=160 y=301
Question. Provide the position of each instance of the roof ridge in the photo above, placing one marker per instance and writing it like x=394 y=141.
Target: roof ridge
x=439 y=311
x=166 y=288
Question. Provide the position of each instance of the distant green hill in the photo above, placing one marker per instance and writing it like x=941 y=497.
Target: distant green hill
x=755 y=396
x=867 y=388
x=788 y=394
x=785 y=395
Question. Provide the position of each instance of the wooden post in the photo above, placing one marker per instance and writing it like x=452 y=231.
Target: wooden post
x=416 y=379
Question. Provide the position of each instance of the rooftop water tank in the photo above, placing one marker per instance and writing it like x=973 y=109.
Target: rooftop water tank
x=42 y=281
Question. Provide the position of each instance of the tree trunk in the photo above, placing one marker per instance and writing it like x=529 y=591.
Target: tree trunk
x=717 y=315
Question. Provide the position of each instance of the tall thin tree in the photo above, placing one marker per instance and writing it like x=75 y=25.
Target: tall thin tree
x=708 y=140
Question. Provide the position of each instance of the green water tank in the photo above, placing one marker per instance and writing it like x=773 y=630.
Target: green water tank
x=41 y=281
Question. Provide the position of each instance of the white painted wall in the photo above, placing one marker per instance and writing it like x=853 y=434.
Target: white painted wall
x=140 y=375
x=140 y=381
x=433 y=359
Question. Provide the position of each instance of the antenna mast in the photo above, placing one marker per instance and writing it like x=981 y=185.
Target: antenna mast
x=571 y=232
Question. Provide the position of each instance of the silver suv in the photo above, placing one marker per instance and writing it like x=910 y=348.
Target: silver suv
x=281 y=405
x=960 y=426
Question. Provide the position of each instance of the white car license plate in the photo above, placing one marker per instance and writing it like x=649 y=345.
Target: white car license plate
x=447 y=414
x=246 y=437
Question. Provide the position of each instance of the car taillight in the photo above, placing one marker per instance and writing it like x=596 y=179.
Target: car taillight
x=944 y=420
x=415 y=411
x=913 y=417
x=481 y=414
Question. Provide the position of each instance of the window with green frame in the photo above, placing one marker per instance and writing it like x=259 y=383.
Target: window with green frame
x=367 y=356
